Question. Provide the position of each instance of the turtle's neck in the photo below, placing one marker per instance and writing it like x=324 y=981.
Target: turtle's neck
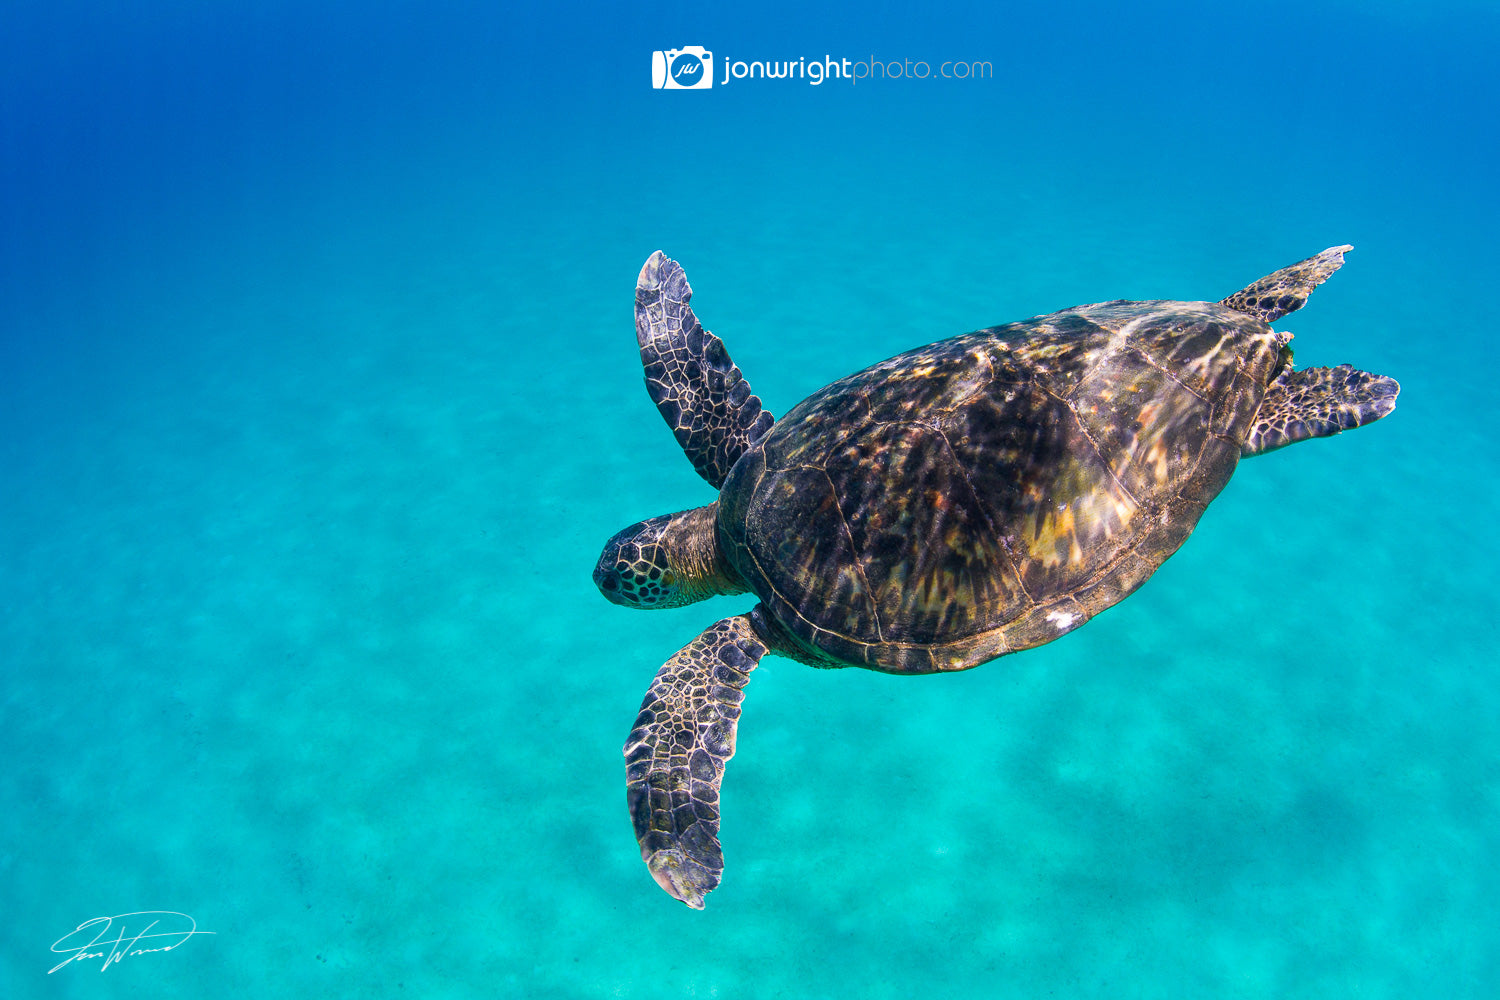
x=691 y=539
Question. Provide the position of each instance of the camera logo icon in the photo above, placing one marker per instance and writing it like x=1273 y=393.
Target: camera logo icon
x=688 y=68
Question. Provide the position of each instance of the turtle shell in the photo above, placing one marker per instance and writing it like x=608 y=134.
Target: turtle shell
x=991 y=492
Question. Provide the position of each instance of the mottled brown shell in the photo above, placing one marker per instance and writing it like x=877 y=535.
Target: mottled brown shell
x=991 y=492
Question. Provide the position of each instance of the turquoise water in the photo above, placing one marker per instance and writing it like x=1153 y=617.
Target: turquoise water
x=319 y=395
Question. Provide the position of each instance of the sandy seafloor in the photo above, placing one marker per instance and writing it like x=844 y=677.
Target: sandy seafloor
x=318 y=397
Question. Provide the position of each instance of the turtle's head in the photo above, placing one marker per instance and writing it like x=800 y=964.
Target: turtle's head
x=665 y=562
x=635 y=570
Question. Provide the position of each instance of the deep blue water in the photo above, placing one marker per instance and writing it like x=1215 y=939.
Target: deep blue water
x=318 y=396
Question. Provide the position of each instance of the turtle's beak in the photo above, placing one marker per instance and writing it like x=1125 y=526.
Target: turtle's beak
x=607 y=578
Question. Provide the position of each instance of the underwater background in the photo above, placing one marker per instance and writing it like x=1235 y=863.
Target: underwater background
x=319 y=396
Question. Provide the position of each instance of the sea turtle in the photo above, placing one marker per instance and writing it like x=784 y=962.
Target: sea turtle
x=975 y=497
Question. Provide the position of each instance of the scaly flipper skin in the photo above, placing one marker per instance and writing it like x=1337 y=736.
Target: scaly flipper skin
x=675 y=756
x=1317 y=402
x=1286 y=290
x=691 y=379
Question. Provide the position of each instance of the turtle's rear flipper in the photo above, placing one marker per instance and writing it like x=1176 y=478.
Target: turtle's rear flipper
x=1317 y=402
x=1284 y=291
x=675 y=756
x=689 y=374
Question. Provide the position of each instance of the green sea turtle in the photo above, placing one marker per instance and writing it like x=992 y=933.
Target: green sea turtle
x=975 y=497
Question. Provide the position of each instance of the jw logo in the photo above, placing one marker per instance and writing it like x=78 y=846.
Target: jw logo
x=688 y=68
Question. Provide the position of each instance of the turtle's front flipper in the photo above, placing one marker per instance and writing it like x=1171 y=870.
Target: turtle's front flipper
x=1317 y=402
x=1284 y=291
x=691 y=379
x=675 y=756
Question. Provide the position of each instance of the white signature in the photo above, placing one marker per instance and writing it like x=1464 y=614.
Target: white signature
x=118 y=934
